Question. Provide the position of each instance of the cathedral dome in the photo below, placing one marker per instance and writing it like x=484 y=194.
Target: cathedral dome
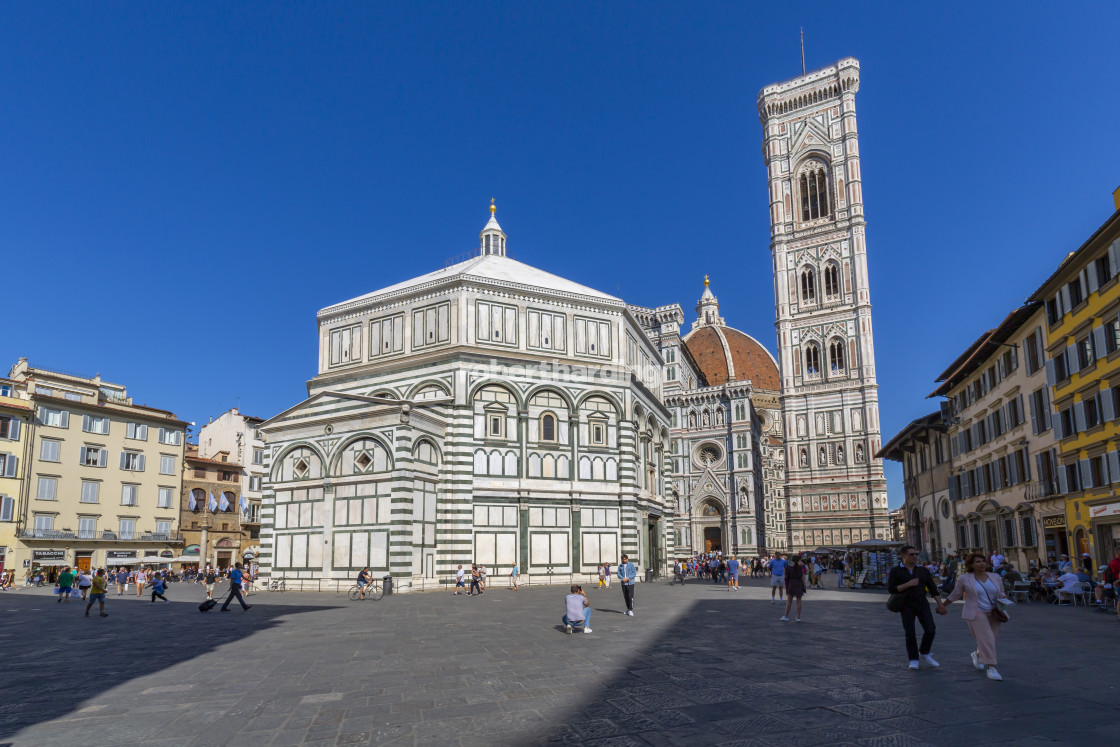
x=724 y=354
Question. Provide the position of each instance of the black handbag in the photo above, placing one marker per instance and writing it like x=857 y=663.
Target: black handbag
x=894 y=603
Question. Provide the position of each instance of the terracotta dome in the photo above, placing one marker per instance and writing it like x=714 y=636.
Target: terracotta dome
x=725 y=354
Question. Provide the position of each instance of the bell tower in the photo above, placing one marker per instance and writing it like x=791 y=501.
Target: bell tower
x=836 y=492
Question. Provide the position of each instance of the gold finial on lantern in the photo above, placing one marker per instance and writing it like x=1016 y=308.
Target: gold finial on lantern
x=493 y=207
x=706 y=282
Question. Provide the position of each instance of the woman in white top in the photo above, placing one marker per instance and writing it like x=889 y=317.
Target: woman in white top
x=982 y=592
x=141 y=579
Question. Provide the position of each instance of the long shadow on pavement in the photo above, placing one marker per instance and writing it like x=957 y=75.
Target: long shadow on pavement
x=55 y=658
x=726 y=671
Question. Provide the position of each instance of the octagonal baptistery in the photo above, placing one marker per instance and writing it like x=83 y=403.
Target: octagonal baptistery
x=489 y=412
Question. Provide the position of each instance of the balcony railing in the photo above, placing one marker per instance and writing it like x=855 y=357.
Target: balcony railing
x=102 y=536
x=1042 y=489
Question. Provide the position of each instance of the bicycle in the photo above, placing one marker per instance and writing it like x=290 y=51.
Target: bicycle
x=373 y=591
x=276 y=584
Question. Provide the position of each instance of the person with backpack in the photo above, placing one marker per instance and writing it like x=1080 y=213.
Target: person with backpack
x=476 y=581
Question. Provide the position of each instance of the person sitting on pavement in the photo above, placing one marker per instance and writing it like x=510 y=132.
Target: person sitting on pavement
x=577 y=610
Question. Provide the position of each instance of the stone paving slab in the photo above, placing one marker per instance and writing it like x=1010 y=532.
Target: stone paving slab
x=697 y=665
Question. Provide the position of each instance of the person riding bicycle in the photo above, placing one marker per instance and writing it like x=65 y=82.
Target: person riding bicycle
x=363 y=582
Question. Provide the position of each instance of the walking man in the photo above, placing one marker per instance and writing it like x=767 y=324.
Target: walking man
x=122 y=579
x=211 y=579
x=732 y=574
x=777 y=566
x=627 y=572
x=459 y=579
x=514 y=575
x=65 y=583
x=97 y=592
x=235 y=589
x=913 y=581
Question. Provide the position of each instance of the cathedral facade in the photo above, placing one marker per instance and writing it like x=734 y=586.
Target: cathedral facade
x=495 y=413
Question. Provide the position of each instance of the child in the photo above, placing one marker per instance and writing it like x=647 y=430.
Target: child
x=157 y=588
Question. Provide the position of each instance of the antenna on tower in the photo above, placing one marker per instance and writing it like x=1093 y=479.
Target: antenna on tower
x=802 y=50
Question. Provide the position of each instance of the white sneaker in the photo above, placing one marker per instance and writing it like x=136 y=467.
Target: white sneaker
x=167 y=601
x=914 y=664
x=630 y=613
x=798 y=620
x=784 y=619
x=568 y=629
x=587 y=630
x=928 y=660
x=771 y=601
x=994 y=675
x=976 y=662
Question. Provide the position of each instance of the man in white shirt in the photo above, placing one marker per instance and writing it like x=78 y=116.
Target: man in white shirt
x=1070 y=582
x=997 y=560
x=458 y=579
x=577 y=610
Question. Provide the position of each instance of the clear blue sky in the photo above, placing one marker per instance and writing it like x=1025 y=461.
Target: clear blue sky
x=182 y=186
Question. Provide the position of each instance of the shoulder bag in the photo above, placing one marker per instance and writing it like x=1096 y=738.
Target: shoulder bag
x=894 y=603
x=995 y=614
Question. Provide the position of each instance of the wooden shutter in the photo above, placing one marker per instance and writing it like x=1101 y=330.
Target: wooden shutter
x=1034 y=416
x=1090 y=273
x=103 y=458
x=1078 y=418
x=124 y=456
x=1114 y=465
x=1086 y=474
x=1063 y=484
x=13 y=429
x=7 y=507
x=10 y=465
x=82 y=455
x=1051 y=376
x=64 y=420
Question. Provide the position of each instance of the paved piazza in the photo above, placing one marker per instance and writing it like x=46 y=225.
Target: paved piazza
x=696 y=665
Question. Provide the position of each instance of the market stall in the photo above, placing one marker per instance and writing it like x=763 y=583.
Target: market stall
x=871 y=562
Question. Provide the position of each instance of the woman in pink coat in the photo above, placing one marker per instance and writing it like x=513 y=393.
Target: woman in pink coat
x=982 y=592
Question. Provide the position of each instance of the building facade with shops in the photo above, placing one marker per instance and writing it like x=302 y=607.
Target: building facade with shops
x=239 y=437
x=1000 y=440
x=16 y=417
x=102 y=474
x=926 y=519
x=1082 y=316
x=210 y=510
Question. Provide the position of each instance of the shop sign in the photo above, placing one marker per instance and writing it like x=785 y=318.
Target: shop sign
x=192 y=550
x=1054 y=522
x=1109 y=509
x=120 y=555
x=48 y=555
x=167 y=554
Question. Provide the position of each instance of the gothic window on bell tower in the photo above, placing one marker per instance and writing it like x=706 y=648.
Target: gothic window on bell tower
x=831 y=281
x=813 y=187
x=812 y=361
x=808 y=286
x=836 y=356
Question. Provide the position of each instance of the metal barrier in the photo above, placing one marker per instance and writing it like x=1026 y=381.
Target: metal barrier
x=405 y=585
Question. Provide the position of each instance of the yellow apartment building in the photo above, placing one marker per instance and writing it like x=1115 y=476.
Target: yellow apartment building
x=1082 y=301
x=102 y=475
x=15 y=417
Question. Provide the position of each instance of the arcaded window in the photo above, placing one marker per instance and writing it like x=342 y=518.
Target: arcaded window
x=548 y=427
x=831 y=280
x=808 y=285
x=836 y=356
x=812 y=360
x=813 y=186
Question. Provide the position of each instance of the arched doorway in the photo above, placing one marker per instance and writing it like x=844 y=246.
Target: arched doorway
x=224 y=552
x=710 y=527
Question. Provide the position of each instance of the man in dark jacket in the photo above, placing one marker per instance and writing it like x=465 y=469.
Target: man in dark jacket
x=913 y=581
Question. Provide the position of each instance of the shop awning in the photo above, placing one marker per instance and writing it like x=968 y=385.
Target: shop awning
x=46 y=563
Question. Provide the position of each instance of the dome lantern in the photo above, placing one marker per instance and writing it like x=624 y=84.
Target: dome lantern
x=492 y=239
